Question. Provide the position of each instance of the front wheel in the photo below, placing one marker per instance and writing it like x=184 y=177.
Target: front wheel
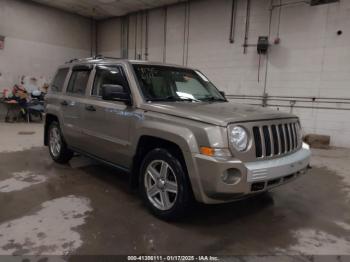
x=57 y=147
x=164 y=184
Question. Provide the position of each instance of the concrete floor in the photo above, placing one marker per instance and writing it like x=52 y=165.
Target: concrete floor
x=86 y=208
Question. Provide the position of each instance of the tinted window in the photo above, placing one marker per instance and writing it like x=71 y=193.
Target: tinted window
x=58 y=82
x=78 y=82
x=107 y=75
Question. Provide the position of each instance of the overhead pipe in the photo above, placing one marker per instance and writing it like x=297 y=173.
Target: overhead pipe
x=272 y=6
x=288 y=100
x=279 y=20
x=233 y=22
x=246 y=32
x=93 y=37
x=188 y=10
x=141 y=40
x=290 y=3
x=310 y=107
x=184 y=36
x=312 y=98
x=127 y=35
x=146 y=35
x=294 y=100
x=267 y=56
x=93 y=33
x=136 y=20
x=165 y=32
x=123 y=37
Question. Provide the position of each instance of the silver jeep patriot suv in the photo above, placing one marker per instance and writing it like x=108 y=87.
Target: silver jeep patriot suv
x=172 y=131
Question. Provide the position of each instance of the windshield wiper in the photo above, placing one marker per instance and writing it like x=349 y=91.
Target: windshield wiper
x=173 y=98
x=166 y=98
x=213 y=99
x=189 y=99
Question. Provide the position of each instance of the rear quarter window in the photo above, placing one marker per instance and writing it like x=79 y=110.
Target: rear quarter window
x=58 y=81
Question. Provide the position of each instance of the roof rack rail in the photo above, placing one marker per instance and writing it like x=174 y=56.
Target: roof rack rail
x=111 y=57
x=96 y=57
x=72 y=60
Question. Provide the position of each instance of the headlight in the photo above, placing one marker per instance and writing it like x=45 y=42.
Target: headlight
x=238 y=138
x=306 y=146
x=299 y=133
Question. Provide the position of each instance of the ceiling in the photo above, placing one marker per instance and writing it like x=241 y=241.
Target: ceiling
x=100 y=9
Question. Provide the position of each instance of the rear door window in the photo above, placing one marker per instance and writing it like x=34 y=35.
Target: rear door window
x=78 y=82
x=58 y=81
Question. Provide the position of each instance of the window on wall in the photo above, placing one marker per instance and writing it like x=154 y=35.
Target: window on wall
x=78 y=82
x=107 y=75
x=58 y=82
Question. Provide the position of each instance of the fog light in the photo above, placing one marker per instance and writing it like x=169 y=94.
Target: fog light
x=231 y=176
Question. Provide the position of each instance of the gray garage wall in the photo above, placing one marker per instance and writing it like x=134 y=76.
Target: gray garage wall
x=308 y=73
x=109 y=37
x=38 y=39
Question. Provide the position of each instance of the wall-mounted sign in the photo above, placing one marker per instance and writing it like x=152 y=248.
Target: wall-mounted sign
x=2 y=42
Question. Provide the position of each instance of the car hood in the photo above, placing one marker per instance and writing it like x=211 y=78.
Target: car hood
x=215 y=113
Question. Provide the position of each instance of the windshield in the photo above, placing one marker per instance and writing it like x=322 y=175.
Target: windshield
x=164 y=83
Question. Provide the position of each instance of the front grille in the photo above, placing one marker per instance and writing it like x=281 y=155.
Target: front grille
x=276 y=139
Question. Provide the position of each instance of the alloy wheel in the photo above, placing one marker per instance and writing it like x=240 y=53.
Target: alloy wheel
x=161 y=185
x=55 y=141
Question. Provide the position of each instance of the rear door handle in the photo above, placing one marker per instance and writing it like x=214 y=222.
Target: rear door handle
x=64 y=103
x=90 y=108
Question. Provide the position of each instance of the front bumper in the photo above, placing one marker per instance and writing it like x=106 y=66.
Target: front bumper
x=256 y=176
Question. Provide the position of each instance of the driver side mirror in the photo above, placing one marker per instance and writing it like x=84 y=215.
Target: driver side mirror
x=116 y=93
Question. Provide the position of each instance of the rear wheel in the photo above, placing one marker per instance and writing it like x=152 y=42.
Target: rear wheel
x=57 y=147
x=164 y=184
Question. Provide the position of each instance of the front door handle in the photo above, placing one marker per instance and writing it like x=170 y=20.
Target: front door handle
x=64 y=103
x=90 y=108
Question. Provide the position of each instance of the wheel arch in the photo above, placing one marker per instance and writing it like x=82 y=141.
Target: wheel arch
x=180 y=141
x=147 y=143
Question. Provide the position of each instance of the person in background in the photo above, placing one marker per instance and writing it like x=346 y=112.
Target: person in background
x=45 y=88
x=31 y=86
x=21 y=95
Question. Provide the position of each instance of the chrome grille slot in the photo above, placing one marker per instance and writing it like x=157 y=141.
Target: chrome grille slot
x=283 y=141
x=276 y=149
x=287 y=136
x=275 y=139
x=295 y=135
x=267 y=140
x=257 y=139
x=291 y=136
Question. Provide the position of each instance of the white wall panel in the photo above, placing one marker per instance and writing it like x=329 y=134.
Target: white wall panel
x=310 y=61
x=156 y=35
x=41 y=61
x=109 y=37
x=38 y=39
x=175 y=35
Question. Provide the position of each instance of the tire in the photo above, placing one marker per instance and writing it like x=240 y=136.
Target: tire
x=158 y=188
x=57 y=146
